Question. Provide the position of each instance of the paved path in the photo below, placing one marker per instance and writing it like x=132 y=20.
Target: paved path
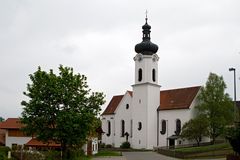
x=144 y=156
x=110 y=158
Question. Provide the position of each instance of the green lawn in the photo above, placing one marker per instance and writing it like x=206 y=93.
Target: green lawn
x=85 y=158
x=108 y=153
x=204 y=148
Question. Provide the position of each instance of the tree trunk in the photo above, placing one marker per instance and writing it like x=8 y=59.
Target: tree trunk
x=65 y=152
x=213 y=139
x=197 y=140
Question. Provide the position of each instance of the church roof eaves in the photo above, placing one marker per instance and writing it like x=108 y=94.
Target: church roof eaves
x=181 y=98
x=112 y=106
x=130 y=93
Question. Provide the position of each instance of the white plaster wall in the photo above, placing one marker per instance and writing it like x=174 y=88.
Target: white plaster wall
x=84 y=148
x=153 y=103
x=123 y=114
x=171 y=116
x=108 y=139
x=139 y=139
x=16 y=140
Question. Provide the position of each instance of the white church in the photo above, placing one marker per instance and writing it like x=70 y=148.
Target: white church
x=147 y=117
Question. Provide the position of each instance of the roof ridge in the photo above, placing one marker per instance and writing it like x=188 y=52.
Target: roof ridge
x=181 y=88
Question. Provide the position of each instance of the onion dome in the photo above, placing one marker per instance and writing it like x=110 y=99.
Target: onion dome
x=146 y=47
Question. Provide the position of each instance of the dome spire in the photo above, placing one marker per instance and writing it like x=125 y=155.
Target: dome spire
x=146 y=47
x=146 y=16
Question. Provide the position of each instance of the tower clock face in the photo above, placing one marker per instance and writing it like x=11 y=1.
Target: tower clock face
x=139 y=57
x=155 y=57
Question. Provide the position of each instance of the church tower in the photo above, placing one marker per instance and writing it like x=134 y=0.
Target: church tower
x=146 y=92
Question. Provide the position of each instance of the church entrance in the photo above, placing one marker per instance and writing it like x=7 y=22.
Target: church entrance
x=171 y=143
x=171 y=140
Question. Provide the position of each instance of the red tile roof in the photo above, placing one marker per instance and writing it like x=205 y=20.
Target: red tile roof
x=11 y=123
x=113 y=105
x=36 y=143
x=177 y=98
x=169 y=99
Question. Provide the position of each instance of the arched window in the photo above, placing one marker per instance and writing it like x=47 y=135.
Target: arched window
x=139 y=126
x=131 y=128
x=109 y=128
x=127 y=106
x=122 y=128
x=178 y=127
x=140 y=75
x=163 y=131
x=153 y=75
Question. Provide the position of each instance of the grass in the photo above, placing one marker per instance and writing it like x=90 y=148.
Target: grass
x=108 y=153
x=85 y=158
x=204 y=148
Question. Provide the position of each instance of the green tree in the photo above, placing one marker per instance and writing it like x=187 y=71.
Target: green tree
x=215 y=105
x=60 y=107
x=1 y=119
x=195 y=129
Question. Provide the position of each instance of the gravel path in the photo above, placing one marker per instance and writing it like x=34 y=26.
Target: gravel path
x=143 y=156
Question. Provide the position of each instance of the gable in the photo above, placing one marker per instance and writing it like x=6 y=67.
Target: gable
x=178 y=98
x=112 y=105
x=115 y=101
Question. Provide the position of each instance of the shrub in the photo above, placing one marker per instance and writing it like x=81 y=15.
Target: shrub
x=28 y=155
x=4 y=149
x=3 y=152
x=125 y=145
x=234 y=139
x=102 y=145
x=52 y=155
x=108 y=146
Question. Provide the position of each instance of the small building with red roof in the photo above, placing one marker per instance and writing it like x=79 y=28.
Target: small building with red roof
x=13 y=134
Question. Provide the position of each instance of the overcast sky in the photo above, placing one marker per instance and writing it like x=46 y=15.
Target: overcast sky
x=97 y=39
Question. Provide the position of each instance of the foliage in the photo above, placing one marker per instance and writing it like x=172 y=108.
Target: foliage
x=108 y=146
x=52 y=155
x=102 y=145
x=61 y=108
x=215 y=105
x=234 y=138
x=4 y=152
x=195 y=129
x=28 y=155
x=108 y=153
x=2 y=119
x=125 y=145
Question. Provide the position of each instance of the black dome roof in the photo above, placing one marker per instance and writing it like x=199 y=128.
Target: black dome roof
x=146 y=47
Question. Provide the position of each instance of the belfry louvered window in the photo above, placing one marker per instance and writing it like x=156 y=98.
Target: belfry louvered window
x=139 y=74
x=153 y=75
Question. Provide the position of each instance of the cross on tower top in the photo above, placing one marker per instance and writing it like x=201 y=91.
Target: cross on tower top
x=146 y=15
